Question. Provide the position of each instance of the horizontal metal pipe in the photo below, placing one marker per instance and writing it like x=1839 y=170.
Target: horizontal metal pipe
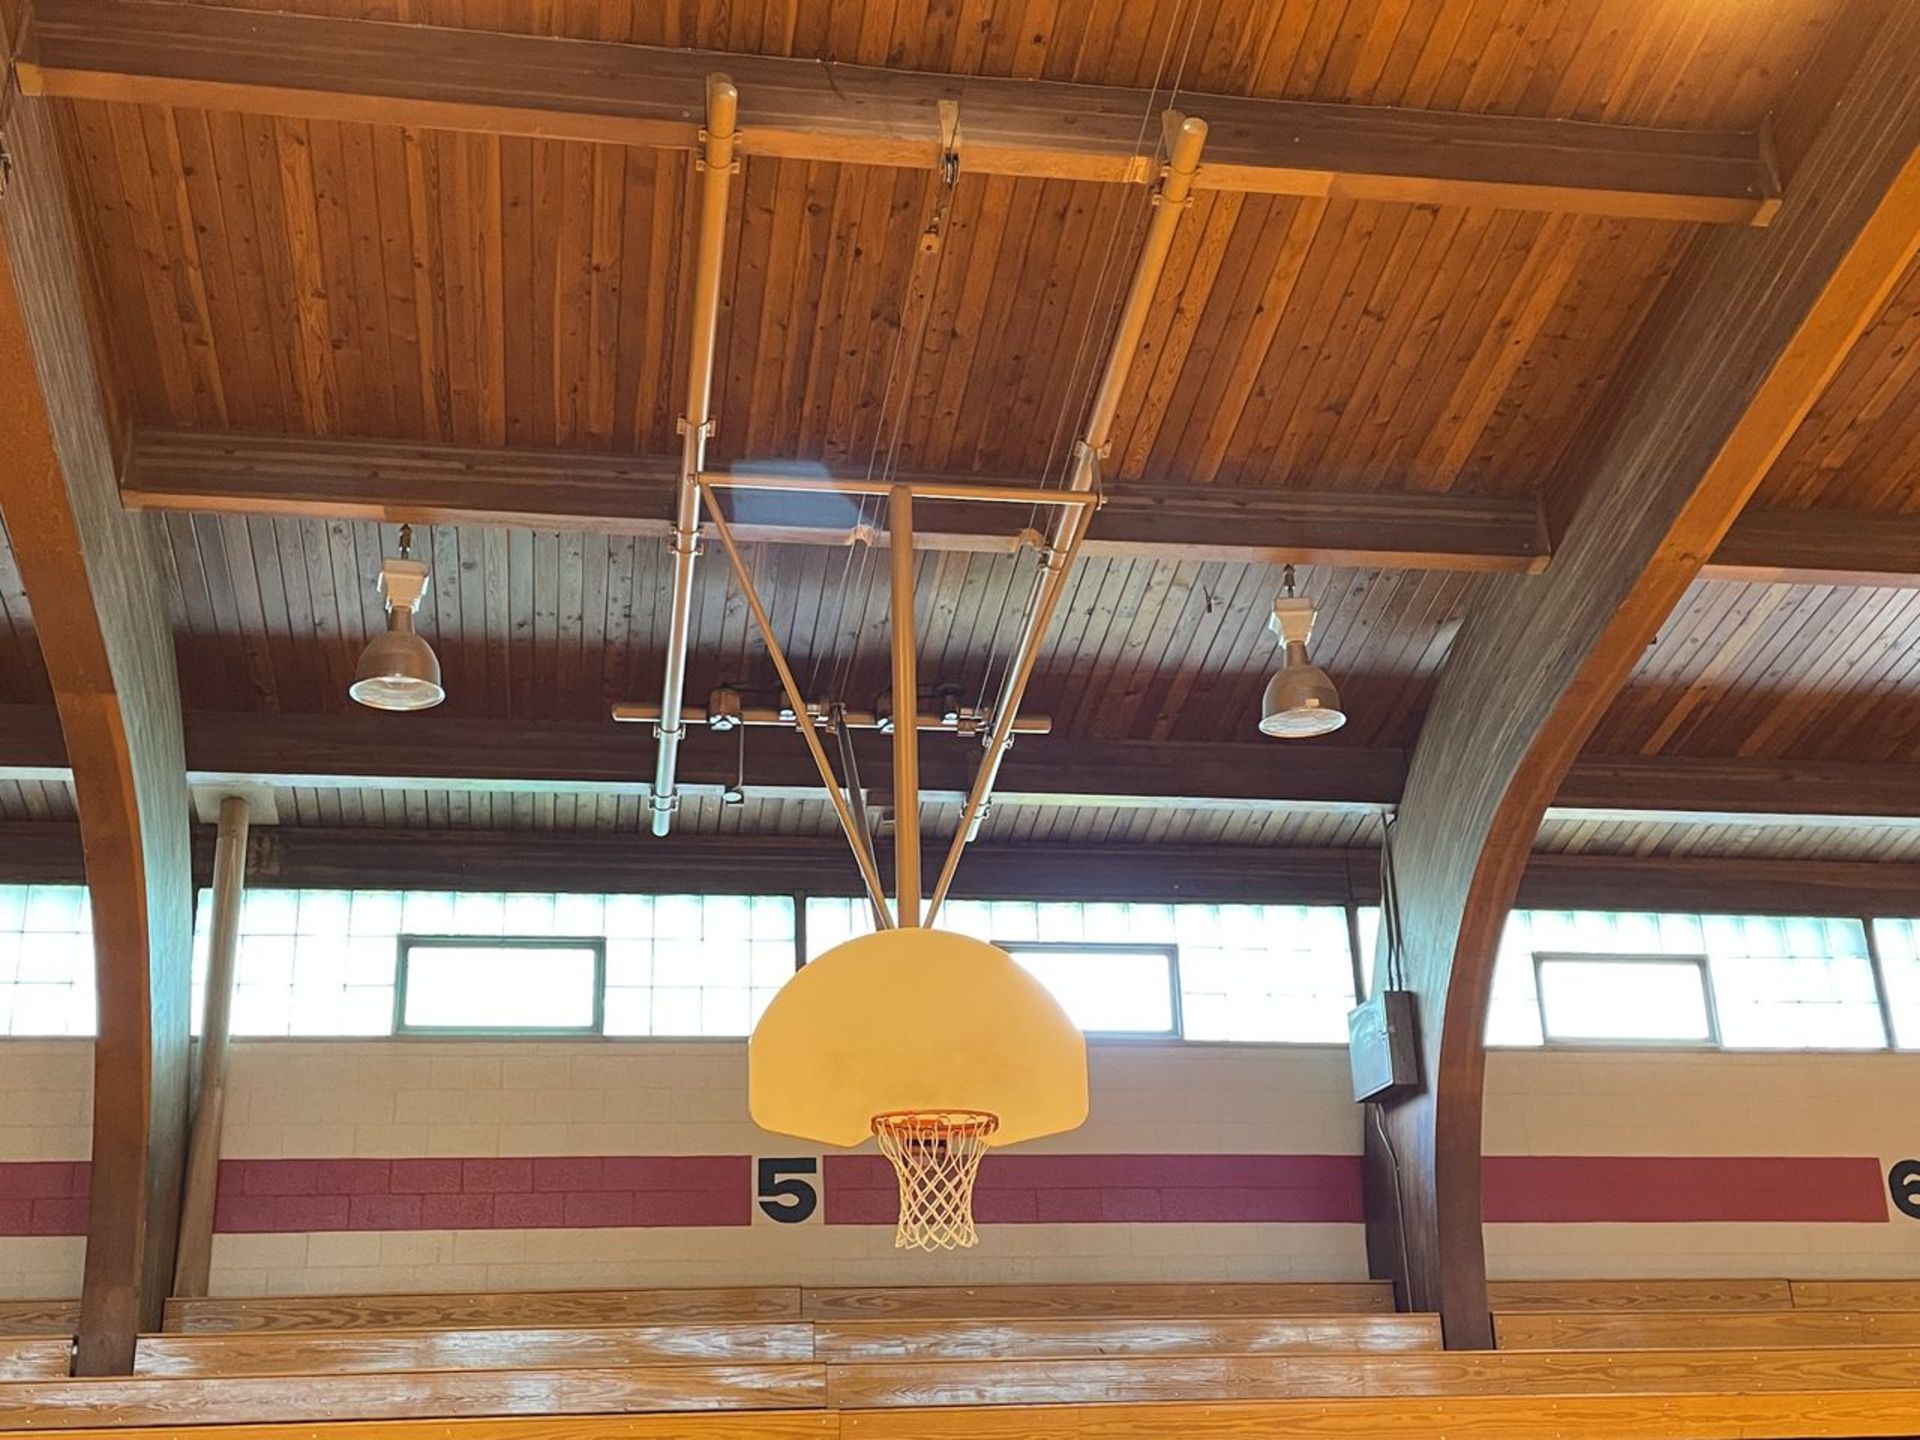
x=986 y=492
x=635 y=712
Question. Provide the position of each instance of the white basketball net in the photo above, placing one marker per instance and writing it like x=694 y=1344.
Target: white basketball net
x=936 y=1155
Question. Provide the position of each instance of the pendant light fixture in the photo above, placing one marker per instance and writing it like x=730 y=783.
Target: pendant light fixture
x=1301 y=700
x=398 y=670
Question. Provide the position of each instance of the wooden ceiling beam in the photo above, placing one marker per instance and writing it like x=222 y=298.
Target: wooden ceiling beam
x=320 y=68
x=209 y=473
x=93 y=577
x=441 y=752
x=49 y=853
x=1741 y=343
x=1819 y=547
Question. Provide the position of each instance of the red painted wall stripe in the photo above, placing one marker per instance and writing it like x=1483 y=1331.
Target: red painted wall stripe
x=1568 y=1189
x=584 y=1192
x=509 y=1193
x=1129 y=1189
x=43 y=1197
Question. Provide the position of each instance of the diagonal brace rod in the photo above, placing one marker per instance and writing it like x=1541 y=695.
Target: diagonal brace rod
x=803 y=717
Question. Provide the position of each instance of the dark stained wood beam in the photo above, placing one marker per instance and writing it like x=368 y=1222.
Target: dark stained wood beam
x=211 y=473
x=92 y=574
x=1819 y=547
x=48 y=853
x=626 y=495
x=1746 y=335
x=363 y=70
x=433 y=751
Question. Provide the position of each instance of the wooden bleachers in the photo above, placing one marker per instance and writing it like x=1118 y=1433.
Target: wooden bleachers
x=39 y=1317
x=936 y=1302
x=771 y=1303
x=961 y=1339
x=533 y=1348
x=1079 y=1362
x=1705 y=1314
x=38 y=1357
x=1521 y=1295
x=510 y=1309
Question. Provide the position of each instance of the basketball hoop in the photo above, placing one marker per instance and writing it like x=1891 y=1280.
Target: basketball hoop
x=935 y=1044
x=936 y=1155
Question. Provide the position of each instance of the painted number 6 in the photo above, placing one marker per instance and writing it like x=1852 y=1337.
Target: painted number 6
x=783 y=1195
x=1903 y=1183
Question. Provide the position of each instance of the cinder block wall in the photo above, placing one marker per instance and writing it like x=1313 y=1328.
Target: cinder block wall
x=440 y=1164
x=1728 y=1164
x=538 y=1164
x=46 y=1128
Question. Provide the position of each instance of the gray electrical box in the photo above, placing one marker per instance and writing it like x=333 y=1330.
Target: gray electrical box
x=1383 y=1046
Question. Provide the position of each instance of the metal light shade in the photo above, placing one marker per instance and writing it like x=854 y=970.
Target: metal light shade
x=398 y=670
x=1300 y=701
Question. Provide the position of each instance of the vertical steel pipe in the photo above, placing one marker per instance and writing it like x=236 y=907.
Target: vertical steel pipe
x=1185 y=139
x=717 y=158
x=193 y=1257
x=906 y=710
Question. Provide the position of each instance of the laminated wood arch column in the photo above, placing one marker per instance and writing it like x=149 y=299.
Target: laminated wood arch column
x=93 y=578
x=1747 y=334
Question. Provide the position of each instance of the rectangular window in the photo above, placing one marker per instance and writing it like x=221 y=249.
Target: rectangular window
x=1598 y=999
x=1108 y=989
x=481 y=984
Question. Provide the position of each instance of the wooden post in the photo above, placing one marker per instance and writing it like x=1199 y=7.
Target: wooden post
x=906 y=710
x=194 y=1255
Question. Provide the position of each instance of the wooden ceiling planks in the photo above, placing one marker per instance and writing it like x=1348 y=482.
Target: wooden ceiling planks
x=23 y=674
x=1812 y=671
x=312 y=277
x=557 y=625
x=362 y=280
x=1860 y=448
x=1890 y=843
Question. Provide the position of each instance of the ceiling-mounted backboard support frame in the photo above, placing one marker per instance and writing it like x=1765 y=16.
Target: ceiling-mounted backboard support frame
x=900 y=496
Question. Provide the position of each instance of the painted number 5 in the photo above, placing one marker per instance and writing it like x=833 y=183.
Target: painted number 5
x=784 y=1196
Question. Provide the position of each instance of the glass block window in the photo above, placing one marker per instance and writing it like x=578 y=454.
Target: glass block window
x=1259 y=973
x=46 y=960
x=1774 y=982
x=1898 y=941
x=695 y=964
x=1793 y=983
x=324 y=962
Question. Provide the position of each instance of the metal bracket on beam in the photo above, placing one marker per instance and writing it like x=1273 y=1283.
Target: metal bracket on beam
x=700 y=154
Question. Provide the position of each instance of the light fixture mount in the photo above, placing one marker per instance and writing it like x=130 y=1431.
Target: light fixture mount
x=398 y=669
x=1301 y=700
